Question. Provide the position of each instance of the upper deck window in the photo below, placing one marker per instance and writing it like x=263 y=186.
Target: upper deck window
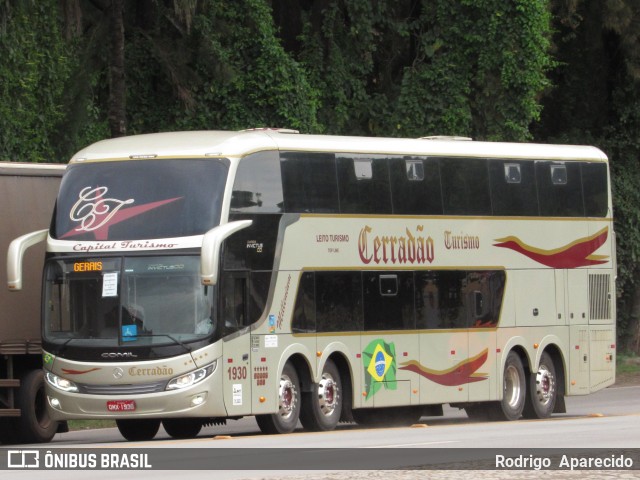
x=258 y=185
x=465 y=186
x=363 y=184
x=559 y=189
x=309 y=182
x=143 y=199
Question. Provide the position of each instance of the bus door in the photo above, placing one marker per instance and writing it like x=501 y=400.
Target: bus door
x=389 y=342
x=235 y=347
x=602 y=340
x=484 y=291
x=577 y=311
x=444 y=342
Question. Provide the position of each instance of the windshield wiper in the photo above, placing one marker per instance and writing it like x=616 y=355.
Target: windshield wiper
x=169 y=336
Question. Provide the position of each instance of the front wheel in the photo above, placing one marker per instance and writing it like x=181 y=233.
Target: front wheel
x=543 y=391
x=286 y=419
x=34 y=425
x=322 y=407
x=139 y=429
x=182 y=427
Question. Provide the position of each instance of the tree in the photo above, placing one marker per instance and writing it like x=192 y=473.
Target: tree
x=34 y=66
x=117 y=85
x=596 y=100
x=416 y=68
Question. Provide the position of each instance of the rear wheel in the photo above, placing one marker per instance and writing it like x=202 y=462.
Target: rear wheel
x=139 y=429
x=514 y=390
x=34 y=425
x=322 y=407
x=286 y=419
x=543 y=390
x=182 y=427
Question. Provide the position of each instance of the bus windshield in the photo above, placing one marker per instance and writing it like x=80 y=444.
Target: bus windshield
x=136 y=300
x=139 y=199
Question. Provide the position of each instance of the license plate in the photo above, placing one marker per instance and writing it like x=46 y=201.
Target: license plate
x=121 y=405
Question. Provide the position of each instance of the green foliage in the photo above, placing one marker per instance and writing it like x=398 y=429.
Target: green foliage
x=596 y=100
x=34 y=67
x=479 y=68
x=406 y=67
x=415 y=68
x=622 y=141
x=229 y=71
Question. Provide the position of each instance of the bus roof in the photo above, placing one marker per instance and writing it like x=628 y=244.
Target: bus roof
x=240 y=143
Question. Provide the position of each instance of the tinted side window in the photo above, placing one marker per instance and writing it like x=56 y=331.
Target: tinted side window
x=363 y=184
x=458 y=299
x=465 y=186
x=304 y=311
x=252 y=248
x=594 y=187
x=484 y=292
x=415 y=186
x=559 y=189
x=258 y=293
x=309 y=182
x=338 y=301
x=513 y=188
x=258 y=184
x=388 y=300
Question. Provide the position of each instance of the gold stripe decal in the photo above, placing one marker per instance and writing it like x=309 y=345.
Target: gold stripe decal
x=460 y=374
x=578 y=253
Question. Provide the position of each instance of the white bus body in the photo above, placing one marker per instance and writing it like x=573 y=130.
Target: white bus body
x=198 y=276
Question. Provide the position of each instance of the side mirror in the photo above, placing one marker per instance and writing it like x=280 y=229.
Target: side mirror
x=15 y=255
x=211 y=244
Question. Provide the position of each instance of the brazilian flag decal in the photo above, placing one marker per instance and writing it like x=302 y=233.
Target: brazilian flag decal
x=379 y=360
x=47 y=358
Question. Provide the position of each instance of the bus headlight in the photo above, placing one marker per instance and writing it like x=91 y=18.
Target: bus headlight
x=60 y=383
x=191 y=378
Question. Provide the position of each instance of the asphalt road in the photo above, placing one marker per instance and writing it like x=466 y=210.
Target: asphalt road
x=609 y=419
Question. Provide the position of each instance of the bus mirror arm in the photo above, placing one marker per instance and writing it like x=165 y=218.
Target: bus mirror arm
x=15 y=255
x=211 y=245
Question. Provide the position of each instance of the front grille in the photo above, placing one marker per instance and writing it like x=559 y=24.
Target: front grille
x=137 y=389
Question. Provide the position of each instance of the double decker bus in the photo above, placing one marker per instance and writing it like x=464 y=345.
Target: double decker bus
x=195 y=277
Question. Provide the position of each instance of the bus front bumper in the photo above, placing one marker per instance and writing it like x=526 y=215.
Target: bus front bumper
x=203 y=399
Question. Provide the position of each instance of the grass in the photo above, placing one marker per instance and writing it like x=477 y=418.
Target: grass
x=90 y=424
x=627 y=363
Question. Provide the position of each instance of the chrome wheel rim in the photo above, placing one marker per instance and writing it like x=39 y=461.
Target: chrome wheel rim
x=327 y=394
x=288 y=397
x=545 y=385
x=512 y=386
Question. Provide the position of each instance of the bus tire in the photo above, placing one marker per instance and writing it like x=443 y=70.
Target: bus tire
x=289 y=400
x=34 y=424
x=543 y=390
x=138 y=429
x=514 y=390
x=322 y=407
x=182 y=427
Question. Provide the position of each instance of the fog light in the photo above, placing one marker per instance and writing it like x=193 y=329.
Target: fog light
x=54 y=402
x=198 y=399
